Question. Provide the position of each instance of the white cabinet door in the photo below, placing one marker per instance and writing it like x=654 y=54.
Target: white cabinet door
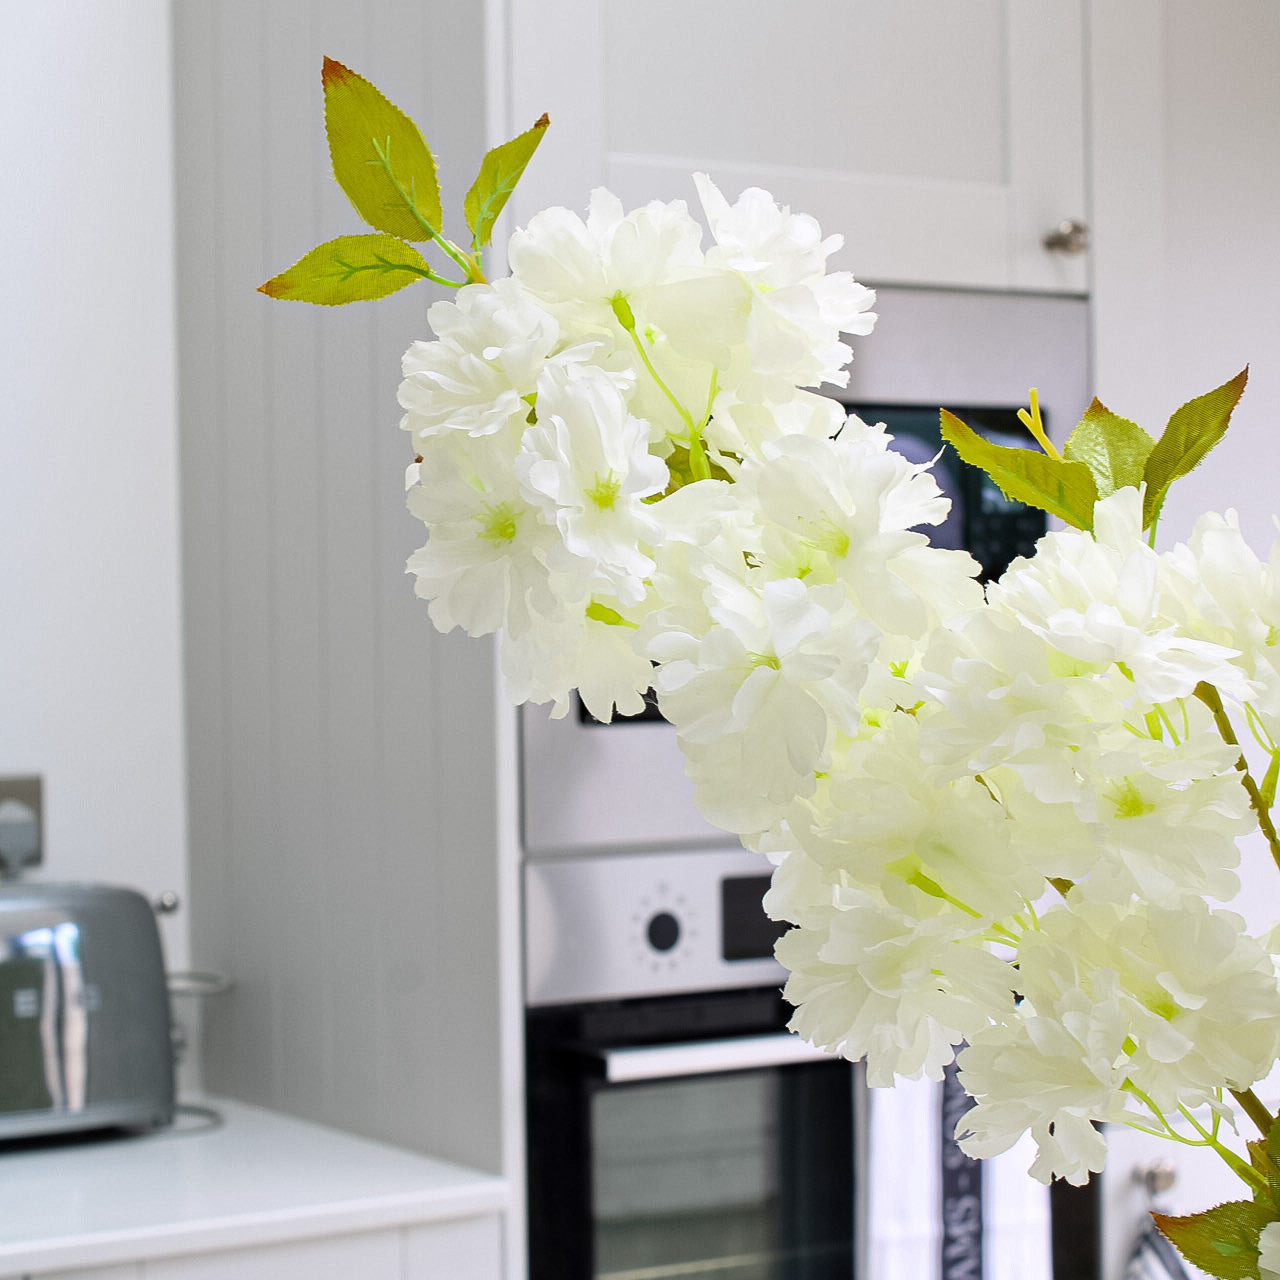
x=943 y=138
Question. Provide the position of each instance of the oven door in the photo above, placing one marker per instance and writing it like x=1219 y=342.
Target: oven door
x=687 y=1137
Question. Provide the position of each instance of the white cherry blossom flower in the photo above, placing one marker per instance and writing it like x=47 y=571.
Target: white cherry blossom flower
x=899 y=987
x=1096 y=597
x=484 y=566
x=492 y=343
x=843 y=510
x=576 y=269
x=1220 y=591
x=1269 y=1252
x=797 y=312
x=1051 y=1073
x=586 y=464
x=756 y=698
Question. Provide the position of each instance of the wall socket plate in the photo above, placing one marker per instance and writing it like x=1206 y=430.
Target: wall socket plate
x=21 y=823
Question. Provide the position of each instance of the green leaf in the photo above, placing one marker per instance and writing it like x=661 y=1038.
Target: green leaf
x=1264 y=1156
x=500 y=170
x=1061 y=487
x=1222 y=1241
x=379 y=157
x=349 y=269
x=1192 y=432
x=1113 y=448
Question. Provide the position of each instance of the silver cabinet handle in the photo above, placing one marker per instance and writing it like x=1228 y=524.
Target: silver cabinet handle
x=1067 y=237
x=700 y=1057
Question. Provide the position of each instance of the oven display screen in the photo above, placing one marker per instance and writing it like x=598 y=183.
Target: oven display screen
x=746 y=932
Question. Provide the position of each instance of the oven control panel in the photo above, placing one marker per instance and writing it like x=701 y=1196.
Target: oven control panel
x=624 y=925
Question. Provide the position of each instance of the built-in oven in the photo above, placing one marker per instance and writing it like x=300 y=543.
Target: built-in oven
x=675 y=1127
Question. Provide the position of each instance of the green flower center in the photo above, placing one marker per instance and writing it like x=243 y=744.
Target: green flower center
x=498 y=522
x=1128 y=801
x=603 y=493
x=827 y=536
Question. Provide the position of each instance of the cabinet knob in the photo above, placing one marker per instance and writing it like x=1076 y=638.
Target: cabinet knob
x=1067 y=237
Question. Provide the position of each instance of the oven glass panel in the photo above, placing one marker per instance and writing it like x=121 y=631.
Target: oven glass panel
x=746 y=933
x=733 y=1176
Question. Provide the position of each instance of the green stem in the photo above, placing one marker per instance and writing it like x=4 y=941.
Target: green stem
x=1254 y=1108
x=1155 y=520
x=1259 y=730
x=469 y=263
x=684 y=413
x=1213 y=700
x=1241 y=1168
x=698 y=463
x=1035 y=424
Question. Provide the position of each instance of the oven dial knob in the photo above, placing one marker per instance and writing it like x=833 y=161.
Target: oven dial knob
x=663 y=931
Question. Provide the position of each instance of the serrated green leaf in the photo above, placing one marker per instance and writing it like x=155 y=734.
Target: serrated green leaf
x=500 y=170
x=349 y=269
x=1264 y=1156
x=379 y=157
x=1061 y=487
x=1113 y=448
x=1222 y=1241
x=1192 y=432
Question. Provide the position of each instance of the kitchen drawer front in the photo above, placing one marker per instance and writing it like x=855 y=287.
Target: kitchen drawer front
x=121 y=1271
x=466 y=1249
x=458 y=1249
x=375 y=1255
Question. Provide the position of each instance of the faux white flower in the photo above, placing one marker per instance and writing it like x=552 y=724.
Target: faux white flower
x=577 y=268
x=843 y=510
x=757 y=697
x=547 y=663
x=1220 y=591
x=485 y=562
x=1269 y=1252
x=586 y=464
x=1097 y=598
x=899 y=987
x=1051 y=1070
x=797 y=312
x=492 y=343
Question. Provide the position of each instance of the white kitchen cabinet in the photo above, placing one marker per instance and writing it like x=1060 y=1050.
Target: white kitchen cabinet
x=943 y=138
x=469 y=1249
x=259 y=1197
x=125 y=1271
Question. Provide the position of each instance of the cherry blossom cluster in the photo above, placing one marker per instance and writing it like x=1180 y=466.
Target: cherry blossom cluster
x=1004 y=823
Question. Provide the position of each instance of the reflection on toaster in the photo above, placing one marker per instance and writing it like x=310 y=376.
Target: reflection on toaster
x=84 y=1018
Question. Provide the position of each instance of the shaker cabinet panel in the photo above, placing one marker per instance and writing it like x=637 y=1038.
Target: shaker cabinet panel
x=943 y=138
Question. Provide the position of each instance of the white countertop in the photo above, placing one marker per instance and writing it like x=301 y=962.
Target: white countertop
x=258 y=1178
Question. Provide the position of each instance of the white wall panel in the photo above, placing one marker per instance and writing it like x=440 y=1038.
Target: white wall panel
x=90 y=653
x=343 y=775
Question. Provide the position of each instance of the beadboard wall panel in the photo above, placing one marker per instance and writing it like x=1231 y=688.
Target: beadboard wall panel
x=343 y=823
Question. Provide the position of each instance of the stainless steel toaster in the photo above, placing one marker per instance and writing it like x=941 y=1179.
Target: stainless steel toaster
x=84 y=1011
